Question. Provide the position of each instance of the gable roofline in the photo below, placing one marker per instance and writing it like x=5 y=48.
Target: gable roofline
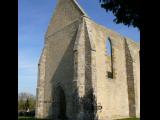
x=79 y=7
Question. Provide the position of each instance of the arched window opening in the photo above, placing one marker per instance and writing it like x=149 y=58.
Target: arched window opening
x=108 y=47
x=139 y=55
x=109 y=58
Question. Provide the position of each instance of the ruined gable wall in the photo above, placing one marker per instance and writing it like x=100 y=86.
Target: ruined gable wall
x=60 y=38
x=65 y=13
x=60 y=65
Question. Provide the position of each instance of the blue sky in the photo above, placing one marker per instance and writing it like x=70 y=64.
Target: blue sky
x=33 y=19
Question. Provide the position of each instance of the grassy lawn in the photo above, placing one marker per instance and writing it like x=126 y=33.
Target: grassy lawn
x=130 y=119
x=28 y=118
x=23 y=118
x=32 y=118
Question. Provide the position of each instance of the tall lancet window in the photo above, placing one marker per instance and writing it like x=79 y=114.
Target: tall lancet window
x=139 y=56
x=109 y=61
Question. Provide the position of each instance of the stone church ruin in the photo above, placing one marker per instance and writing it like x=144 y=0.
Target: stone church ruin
x=77 y=78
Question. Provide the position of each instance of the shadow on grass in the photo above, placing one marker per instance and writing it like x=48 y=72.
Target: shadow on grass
x=32 y=118
x=29 y=118
x=130 y=119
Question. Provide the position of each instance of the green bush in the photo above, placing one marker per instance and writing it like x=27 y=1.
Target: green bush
x=26 y=100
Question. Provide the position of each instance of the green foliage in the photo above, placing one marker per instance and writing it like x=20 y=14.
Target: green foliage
x=21 y=105
x=32 y=103
x=27 y=104
x=26 y=100
x=125 y=11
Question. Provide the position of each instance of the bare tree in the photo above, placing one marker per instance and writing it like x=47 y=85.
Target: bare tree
x=23 y=97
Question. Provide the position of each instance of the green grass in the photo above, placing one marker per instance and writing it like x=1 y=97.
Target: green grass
x=32 y=118
x=28 y=118
x=130 y=119
x=25 y=118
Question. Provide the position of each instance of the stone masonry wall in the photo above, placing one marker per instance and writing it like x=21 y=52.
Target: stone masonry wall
x=134 y=52
x=73 y=68
x=60 y=66
x=130 y=81
x=41 y=84
x=111 y=93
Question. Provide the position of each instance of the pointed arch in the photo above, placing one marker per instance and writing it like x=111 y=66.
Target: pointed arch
x=109 y=57
x=59 y=105
x=139 y=55
x=108 y=47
